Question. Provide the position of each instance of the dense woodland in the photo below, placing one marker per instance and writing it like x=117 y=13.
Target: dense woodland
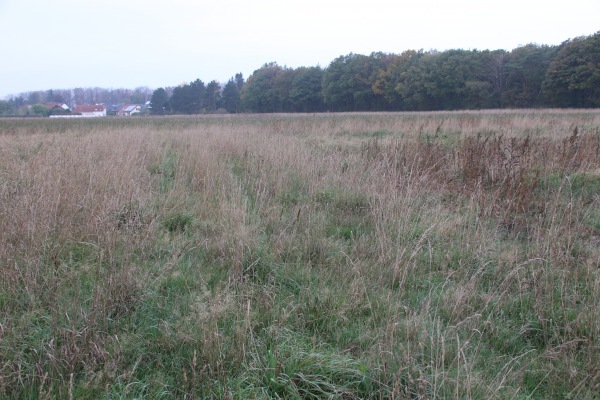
x=531 y=76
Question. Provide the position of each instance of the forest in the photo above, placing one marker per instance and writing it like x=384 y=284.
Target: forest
x=530 y=76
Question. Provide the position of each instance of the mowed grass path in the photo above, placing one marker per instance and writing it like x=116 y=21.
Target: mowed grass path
x=350 y=256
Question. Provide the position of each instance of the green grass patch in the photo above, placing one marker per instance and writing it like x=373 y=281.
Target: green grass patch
x=178 y=222
x=284 y=365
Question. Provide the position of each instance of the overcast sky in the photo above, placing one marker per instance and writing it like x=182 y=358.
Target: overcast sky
x=60 y=44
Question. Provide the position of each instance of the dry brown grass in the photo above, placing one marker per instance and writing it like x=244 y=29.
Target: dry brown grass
x=437 y=255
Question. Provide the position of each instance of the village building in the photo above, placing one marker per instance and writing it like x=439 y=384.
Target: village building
x=90 y=110
x=57 y=107
x=129 y=109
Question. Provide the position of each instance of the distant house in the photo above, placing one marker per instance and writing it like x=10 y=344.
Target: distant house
x=113 y=109
x=89 y=110
x=59 y=107
x=129 y=109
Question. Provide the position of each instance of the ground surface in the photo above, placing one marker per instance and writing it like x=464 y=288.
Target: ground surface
x=412 y=255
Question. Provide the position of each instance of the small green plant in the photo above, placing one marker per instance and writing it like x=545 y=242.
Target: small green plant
x=166 y=169
x=288 y=367
x=178 y=222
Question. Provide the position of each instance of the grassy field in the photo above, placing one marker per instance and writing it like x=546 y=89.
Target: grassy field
x=350 y=256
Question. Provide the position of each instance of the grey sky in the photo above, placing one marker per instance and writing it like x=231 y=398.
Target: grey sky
x=62 y=44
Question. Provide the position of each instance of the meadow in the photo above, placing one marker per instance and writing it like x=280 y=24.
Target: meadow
x=343 y=256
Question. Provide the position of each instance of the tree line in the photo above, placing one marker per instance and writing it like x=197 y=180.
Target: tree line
x=530 y=76
x=197 y=97
x=567 y=75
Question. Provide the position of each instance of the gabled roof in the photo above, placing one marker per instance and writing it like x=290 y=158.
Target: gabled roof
x=130 y=108
x=90 y=108
x=54 y=105
x=115 y=107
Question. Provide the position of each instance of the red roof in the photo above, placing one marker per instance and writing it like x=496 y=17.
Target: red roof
x=89 y=108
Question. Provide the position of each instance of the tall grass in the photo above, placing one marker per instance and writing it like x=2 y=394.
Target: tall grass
x=412 y=255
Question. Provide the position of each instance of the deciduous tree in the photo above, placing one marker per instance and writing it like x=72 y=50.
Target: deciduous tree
x=259 y=93
x=573 y=76
x=306 y=91
x=526 y=68
x=348 y=81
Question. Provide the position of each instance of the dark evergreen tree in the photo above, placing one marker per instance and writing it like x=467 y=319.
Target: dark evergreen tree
x=212 y=95
x=239 y=81
x=159 y=102
x=230 y=98
x=189 y=98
